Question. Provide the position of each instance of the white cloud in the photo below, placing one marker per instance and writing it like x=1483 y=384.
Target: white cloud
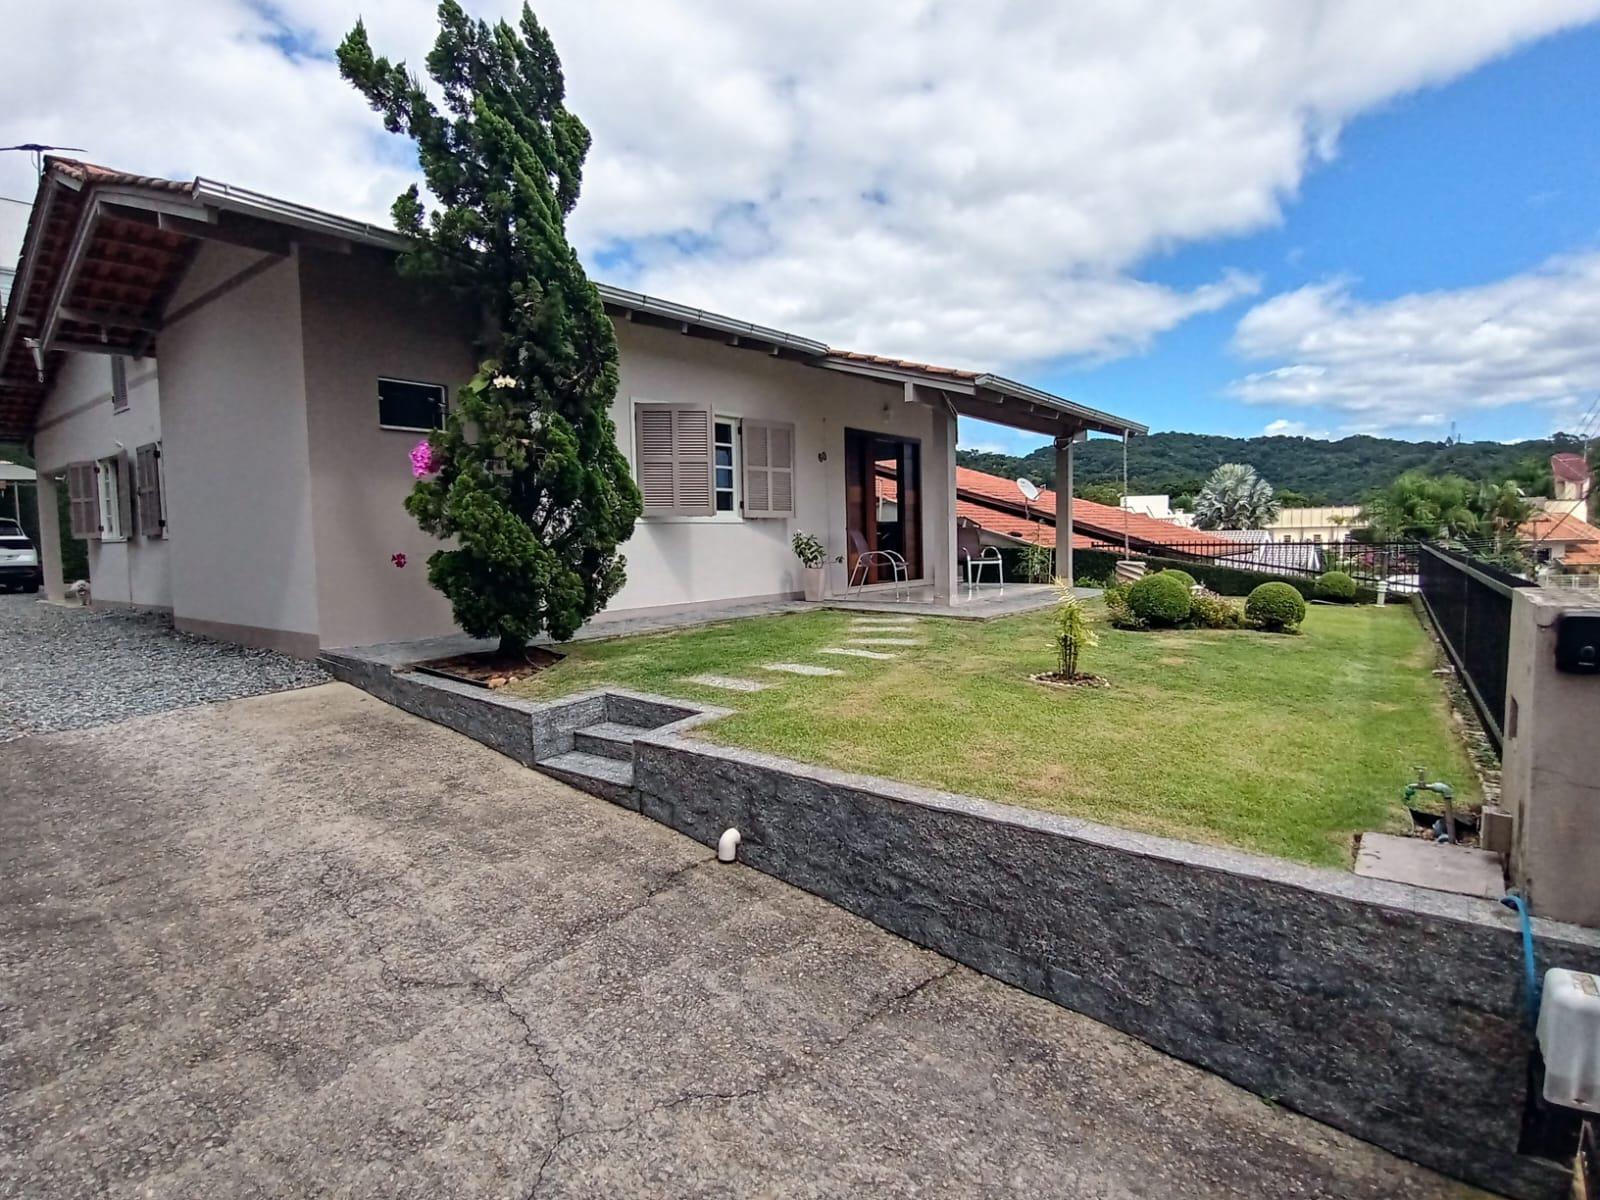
x=1286 y=428
x=936 y=180
x=1419 y=361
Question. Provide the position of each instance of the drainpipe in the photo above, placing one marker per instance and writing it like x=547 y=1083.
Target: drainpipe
x=728 y=846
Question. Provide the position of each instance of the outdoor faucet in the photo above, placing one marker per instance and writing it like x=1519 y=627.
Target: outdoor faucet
x=1444 y=792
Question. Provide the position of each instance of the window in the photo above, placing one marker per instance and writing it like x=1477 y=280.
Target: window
x=119 y=383
x=108 y=476
x=725 y=449
x=403 y=404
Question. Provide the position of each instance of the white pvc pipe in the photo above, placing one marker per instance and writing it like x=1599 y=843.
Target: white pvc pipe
x=728 y=846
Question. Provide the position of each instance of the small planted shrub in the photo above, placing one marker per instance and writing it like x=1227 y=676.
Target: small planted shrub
x=1210 y=611
x=1071 y=633
x=1275 y=606
x=1336 y=586
x=1160 y=599
x=1182 y=577
x=1117 y=610
x=1035 y=560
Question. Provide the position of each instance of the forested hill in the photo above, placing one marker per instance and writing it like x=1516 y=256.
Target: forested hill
x=1321 y=472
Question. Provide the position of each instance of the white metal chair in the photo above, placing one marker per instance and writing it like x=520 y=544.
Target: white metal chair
x=867 y=559
x=976 y=564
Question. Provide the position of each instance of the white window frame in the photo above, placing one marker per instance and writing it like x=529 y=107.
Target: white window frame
x=108 y=481
x=444 y=404
x=736 y=513
x=717 y=518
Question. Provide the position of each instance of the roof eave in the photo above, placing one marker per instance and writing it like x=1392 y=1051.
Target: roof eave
x=690 y=319
x=1089 y=418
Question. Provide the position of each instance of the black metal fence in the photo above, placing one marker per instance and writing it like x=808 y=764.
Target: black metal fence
x=1391 y=564
x=1469 y=602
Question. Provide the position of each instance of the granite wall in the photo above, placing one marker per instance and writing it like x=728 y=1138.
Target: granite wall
x=1390 y=1012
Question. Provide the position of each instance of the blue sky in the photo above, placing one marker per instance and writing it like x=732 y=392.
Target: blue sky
x=1224 y=216
x=1449 y=188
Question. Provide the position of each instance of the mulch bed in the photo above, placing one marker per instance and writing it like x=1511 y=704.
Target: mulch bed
x=1057 y=680
x=492 y=669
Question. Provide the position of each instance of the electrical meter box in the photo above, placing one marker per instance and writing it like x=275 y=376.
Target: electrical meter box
x=1569 y=1039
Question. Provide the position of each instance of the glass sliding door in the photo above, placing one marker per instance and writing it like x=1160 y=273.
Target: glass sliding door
x=883 y=501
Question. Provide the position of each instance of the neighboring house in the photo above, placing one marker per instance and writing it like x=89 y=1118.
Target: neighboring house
x=227 y=384
x=1570 y=473
x=997 y=507
x=1320 y=523
x=1563 y=543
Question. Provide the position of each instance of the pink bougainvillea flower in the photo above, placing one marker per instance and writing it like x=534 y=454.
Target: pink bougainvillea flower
x=398 y=560
x=421 y=459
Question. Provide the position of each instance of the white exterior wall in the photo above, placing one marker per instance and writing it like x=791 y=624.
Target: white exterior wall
x=77 y=424
x=360 y=321
x=675 y=561
x=237 y=464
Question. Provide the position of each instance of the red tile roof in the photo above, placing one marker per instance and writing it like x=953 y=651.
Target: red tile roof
x=1103 y=521
x=902 y=364
x=1570 y=467
x=1559 y=527
x=995 y=504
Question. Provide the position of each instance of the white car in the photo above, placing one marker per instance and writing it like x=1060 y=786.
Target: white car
x=19 y=560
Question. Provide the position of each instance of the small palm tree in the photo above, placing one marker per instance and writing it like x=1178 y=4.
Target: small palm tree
x=1235 y=497
x=1072 y=631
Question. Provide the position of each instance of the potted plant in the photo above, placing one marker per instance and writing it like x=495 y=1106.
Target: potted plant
x=812 y=555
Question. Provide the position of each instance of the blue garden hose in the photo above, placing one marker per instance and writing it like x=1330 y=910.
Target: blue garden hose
x=1531 y=982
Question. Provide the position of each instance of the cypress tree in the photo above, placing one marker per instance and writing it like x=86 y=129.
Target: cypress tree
x=525 y=477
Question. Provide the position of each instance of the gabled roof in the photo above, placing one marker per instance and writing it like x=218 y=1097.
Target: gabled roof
x=1102 y=521
x=105 y=249
x=1559 y=527
x=1570 y=467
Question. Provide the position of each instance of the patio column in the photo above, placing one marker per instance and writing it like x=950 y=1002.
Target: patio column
x=44 y=493
x=1064 y=506
x=939 y=497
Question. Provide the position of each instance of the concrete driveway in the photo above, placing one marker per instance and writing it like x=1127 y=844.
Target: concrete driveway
x=303 y=944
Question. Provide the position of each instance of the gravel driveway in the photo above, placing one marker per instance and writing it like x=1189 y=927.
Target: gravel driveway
x=72 y=668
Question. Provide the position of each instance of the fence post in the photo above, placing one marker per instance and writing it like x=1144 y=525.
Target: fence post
x=1551 y=768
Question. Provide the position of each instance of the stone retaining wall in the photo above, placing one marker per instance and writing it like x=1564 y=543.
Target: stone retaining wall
x=1390 y=1012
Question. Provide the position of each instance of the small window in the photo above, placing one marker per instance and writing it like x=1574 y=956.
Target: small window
x=403 y=404
x=119 y=383
x=108 y=477
x=724 y=449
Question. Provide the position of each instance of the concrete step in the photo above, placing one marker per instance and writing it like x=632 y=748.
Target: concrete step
x=609 y=778
x=609 y=739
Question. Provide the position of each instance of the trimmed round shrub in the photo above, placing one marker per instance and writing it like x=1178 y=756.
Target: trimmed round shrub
x=1275 y=606
x=1160 y=599
x=1336 y=585
x=1182 y=577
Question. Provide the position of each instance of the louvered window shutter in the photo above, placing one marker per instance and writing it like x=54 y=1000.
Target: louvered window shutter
x=148 y=490
x=672 y=458
x=83 y=500
x=768 y=469
x=124 y=468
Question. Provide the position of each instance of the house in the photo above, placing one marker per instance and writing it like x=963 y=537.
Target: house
x=1570 y=474
x=1563 y=542
x=227 y=384
x=1006 y=518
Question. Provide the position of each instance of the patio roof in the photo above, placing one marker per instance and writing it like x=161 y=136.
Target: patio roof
x=104 y=251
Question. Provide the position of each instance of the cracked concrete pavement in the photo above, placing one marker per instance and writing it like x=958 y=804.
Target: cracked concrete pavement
x=305 y=944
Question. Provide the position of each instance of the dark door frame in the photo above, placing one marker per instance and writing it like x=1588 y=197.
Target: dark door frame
x=863 y=450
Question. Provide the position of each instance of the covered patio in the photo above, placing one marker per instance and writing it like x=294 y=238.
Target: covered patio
x=901 y=551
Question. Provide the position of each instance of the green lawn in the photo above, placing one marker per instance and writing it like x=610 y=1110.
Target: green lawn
x=1285 y=745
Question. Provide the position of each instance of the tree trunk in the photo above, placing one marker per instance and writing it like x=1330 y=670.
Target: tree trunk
x=512 y=646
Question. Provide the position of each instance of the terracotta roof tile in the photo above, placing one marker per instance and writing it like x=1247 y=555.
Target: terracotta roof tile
x=1560 y=527
x=1570 y=467
x=901 y=364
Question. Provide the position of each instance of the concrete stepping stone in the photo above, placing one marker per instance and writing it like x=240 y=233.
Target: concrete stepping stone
x=801 y=669
x=845 y=650
x=884 y=641
x=728 y=683
x=883 y=623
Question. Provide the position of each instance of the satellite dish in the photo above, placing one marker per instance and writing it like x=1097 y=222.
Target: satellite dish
x=1030 y=490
